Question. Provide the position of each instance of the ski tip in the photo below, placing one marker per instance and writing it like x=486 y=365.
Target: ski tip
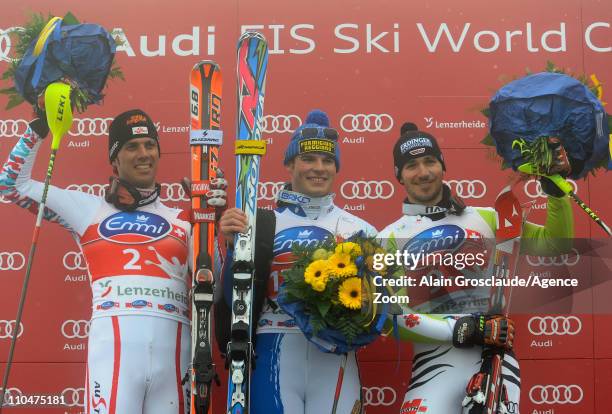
x=201 y=63
x=251 y=34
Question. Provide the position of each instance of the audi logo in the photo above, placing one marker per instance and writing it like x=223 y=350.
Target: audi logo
x=74 y=397
x=11 y=394
x=379 y=396
x=12 y=261
x=556 y=394
x=169 y=191
x=554 y=325
x=269 y=190
x=367 y=190
x=72 y=329
x=280 y=123
x=533 y=189
x=562 y=260
x=172 y=192
x=90 y=127
x=468 y=188
x=366 y=122
x=6 y=43
x=13 y=128
x=74 y=261
x=7 y=329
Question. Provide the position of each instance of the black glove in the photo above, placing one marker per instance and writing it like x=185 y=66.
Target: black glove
x=39 y=126
x=550 y=188
x=492 y=330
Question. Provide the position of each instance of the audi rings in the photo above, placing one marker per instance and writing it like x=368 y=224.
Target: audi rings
x=366 y=122
x=93 y=189
x=11 y=395
x=74 y=261
x=73 y=397
x=90 y=127
x=554 y=325
x=172 y=192
x=379 y=396
x=533 y=188
x=367 y=190
x=280 y=123
x=13 y=128
x=468 y=188
x=7 y=329
x=72 y=329
x=562 y=260
x=12 y=260
x=556 y=394
x=269 y=190
x=6 y=43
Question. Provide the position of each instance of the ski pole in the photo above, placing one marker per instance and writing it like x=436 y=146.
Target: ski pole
x=59 y=118
x=339 y=383
x=567 y=189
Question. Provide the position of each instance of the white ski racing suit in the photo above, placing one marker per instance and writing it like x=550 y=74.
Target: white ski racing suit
x=139 y=336
x=440 y=372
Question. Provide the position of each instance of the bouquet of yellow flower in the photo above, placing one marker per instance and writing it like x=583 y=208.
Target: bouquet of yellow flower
x=329 y=291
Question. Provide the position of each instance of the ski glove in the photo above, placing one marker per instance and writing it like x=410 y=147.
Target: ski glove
x=216 y=196
x=39 y=125
x=492 y=330
x=560 y=165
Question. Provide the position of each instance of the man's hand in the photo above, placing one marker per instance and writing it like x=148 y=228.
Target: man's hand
x=232 y=221
x=492 y=330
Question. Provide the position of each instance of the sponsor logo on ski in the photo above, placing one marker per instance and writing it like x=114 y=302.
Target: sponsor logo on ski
x=201 y=215
x=13 y=128
x=468 y=188
x=554 y=325
x=562 y=260
x=205 y=137
x=280 y=123
x=533 y=189
x=556 y=394
x=75 y=329
x=134 y=227
x=367 y=190
x=200 y=188
x=7 y=329
x=366 y=122
x=307 y=236
x=431 y=122
x=12 y=260
x=73 y=397
x=436 y=239
x=379 y=396
x=74 y=261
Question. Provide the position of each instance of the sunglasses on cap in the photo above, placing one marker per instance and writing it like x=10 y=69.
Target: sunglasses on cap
x=314 y=132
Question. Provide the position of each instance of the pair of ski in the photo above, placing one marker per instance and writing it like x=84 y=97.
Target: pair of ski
x=205 y=139
x=486 y=392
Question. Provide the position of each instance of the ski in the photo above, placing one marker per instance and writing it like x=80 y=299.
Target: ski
x=486 y=393
x=251 y=70
x=205 y=137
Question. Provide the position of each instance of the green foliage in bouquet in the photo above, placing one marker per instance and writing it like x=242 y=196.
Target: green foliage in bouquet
x=538 y=152
x=334 y=282
x=29 y=33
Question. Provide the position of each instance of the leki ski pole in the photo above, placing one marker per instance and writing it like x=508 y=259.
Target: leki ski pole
x=569 y=190
x=59 y=118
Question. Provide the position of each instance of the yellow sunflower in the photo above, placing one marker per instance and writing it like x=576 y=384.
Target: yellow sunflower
x=349 y=293
x=316 y=274
x=349 y=247
x=340 y=265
